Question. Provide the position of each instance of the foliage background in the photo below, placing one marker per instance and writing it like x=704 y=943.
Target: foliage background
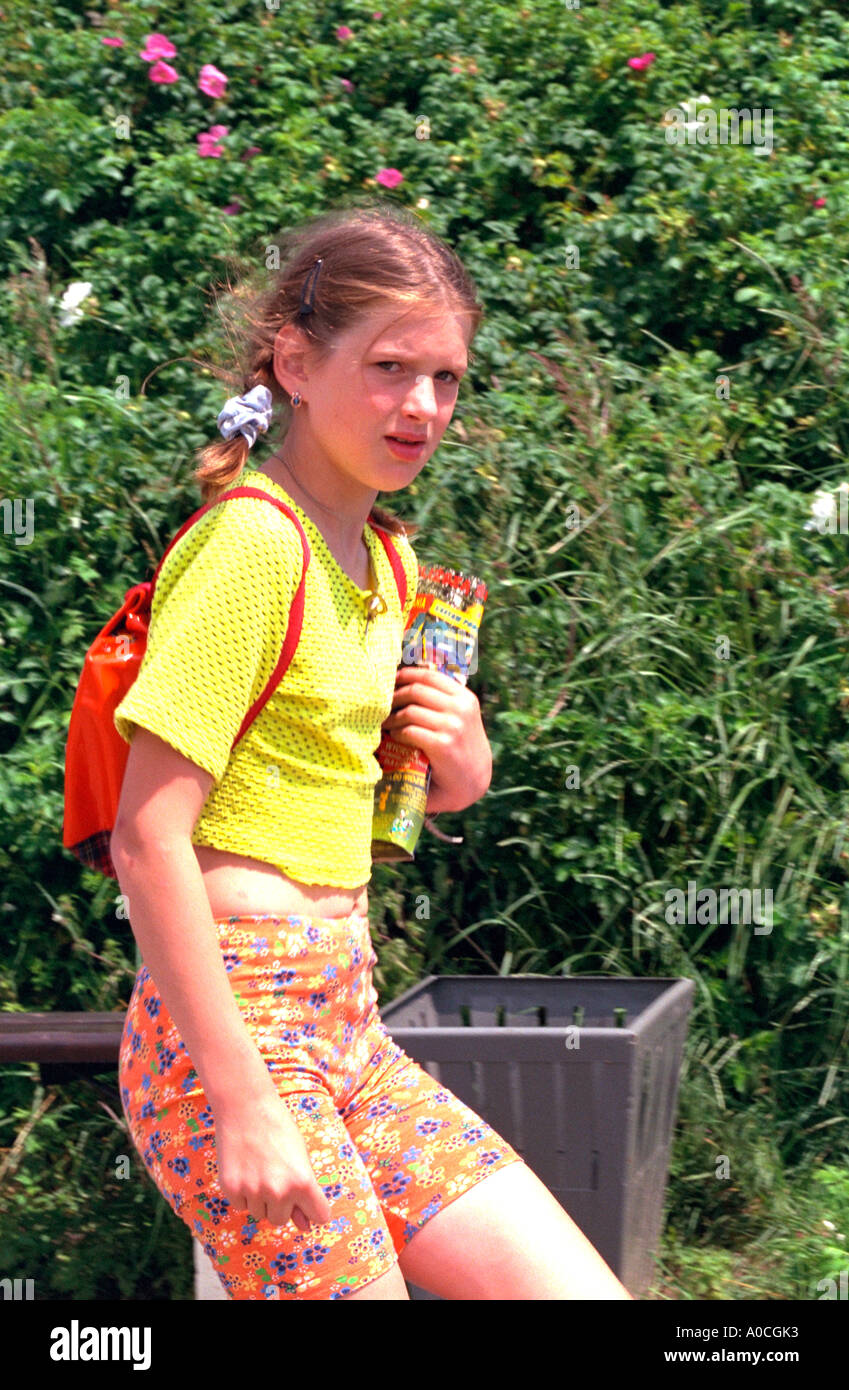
x=662 y=358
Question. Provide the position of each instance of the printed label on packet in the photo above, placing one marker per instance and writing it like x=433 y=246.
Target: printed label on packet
x=400 y=800
x=442 y=632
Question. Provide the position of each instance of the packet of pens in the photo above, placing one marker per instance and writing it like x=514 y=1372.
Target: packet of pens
x=442 y=632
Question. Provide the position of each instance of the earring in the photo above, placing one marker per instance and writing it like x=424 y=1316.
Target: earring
x=296 y=399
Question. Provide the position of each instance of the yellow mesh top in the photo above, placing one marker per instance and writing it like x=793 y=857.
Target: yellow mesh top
x=298 y=790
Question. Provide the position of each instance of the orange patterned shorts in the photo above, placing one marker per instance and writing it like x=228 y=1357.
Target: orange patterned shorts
x=389 y=1146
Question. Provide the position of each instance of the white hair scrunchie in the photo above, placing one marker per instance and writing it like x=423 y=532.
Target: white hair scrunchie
x=246 y=415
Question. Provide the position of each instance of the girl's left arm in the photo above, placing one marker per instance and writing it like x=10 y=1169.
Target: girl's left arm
x=437 y=714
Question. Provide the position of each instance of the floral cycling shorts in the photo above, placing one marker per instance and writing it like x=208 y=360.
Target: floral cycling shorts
x=389 y=1146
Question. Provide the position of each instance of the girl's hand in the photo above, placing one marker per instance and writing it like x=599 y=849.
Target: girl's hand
x=437 y=714
x=263 y=1164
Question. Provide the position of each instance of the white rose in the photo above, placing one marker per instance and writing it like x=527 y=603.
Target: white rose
x=73 y=297
x=823 y=508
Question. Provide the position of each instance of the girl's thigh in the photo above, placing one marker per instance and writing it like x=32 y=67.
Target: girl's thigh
x=172 y=1126
x=344 y=1255
x=258 y=1260
x=386 y=1287
x=422 y=1146
x=508 y=1238
x=468 y=1217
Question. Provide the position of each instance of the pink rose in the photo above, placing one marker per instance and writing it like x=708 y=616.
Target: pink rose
x=157 y=46
x=113 y=43
x=346 y=83
x=377 y=14
x=390 y=178
x=251 y=151
x=645 y=60
x=163 y=72
x=343 y=32
x=232 y=208
x=819 y=202
x=212 y=81
x=208 y=147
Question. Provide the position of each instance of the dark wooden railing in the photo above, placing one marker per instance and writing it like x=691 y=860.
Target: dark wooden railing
x=65 y=1045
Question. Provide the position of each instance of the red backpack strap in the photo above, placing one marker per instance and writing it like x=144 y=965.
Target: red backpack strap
x=296 y=612
x=395 y=561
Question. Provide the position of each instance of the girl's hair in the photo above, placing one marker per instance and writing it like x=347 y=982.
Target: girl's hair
x=374 y=256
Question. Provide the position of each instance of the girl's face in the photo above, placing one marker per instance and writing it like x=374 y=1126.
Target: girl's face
x=394 y=374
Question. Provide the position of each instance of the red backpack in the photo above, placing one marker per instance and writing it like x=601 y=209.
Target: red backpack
x=95 y=753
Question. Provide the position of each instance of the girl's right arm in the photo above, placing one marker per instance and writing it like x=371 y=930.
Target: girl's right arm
x=262 y=1158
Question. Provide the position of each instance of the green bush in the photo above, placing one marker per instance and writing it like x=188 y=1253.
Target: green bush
x=80 y=1216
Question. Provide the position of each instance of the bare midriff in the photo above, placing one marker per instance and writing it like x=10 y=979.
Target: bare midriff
x=238 y=886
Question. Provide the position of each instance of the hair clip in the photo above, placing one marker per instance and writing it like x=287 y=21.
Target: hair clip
x=309 y=288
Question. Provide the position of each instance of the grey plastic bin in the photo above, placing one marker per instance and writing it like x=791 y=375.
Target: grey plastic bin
x=590 y=1108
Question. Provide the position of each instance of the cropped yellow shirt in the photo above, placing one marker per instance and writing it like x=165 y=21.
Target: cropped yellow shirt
x=298 y=790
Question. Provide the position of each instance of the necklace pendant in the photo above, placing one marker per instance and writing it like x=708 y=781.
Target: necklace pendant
x=376 y=604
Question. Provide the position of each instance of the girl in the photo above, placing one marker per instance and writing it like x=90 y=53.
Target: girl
x=270 y=1105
